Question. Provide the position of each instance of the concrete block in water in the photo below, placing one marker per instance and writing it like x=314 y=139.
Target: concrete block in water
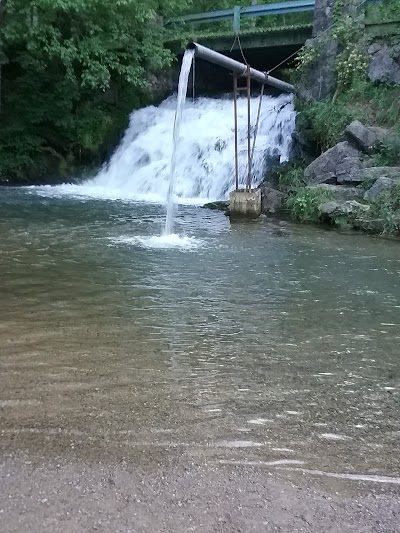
x=245 y=204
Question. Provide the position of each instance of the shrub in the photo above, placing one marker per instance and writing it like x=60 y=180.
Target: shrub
x=305 y=202
x=289 y=176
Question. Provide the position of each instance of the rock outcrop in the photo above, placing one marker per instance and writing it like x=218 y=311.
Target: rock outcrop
x=365 y=138
x=338 y=165
x=331 y=211
x=339 y=193
x=272 y=200
x=371 y=174
x=380 y=186
x=384 y=65
x=219 y=205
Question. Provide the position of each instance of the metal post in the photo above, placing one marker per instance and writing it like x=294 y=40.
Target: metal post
x=236 y=20
x=235 y=88
x=248 y=184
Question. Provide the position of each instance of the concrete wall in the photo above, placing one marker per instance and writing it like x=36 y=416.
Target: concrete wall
x=245 y=204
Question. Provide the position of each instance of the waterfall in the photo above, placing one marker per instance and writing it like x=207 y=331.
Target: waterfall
x=140 y=168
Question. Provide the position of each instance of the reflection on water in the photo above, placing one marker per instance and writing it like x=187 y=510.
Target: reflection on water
x=268 y=343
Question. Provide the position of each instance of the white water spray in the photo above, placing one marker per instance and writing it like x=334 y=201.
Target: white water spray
x=140 y=168
x=182 y=92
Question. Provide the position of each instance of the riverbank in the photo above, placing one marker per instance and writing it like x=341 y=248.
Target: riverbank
x=50 y=496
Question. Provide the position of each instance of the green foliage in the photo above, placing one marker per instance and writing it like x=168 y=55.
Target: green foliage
x=289 y=176
x=384 y=11
x=309 y=54
x=347 y=32
x=387 y=209
x=351 y=65
x=371 y=104
x=71 y=70
x=305 y=202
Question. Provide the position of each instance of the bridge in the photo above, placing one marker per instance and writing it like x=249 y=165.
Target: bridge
x=267 y=33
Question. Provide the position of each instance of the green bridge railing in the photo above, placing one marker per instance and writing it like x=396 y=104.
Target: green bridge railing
x=377 y=11
x=237 y=13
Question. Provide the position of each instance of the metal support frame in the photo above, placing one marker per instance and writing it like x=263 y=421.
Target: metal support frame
x=240 y=69
x=235 y=91
x=236 y=20
x=248 y=86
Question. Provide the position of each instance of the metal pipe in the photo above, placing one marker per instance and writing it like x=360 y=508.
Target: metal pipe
x=235 y=87
x=239 y=68
x=248 y=81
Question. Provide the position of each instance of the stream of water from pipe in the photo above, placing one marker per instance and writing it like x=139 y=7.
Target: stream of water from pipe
x=182 y=92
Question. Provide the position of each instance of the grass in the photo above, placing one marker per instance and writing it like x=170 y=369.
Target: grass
x=288 y=176
x=304 y=203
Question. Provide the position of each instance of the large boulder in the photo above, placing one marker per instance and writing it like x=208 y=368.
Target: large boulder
x=272 y=200
x=339 y=193
x=371 y=174
x=366 y=139
x=384 y=65
x=331 y=211
x=380 y=186
x=370 y=225
x=337 y=165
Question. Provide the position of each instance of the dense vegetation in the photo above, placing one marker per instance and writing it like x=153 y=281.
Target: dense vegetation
x=71 y=71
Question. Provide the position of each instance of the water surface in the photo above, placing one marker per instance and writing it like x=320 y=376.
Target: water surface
x=258 y=342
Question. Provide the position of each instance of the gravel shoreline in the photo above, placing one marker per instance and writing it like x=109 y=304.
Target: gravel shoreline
x=73 y=495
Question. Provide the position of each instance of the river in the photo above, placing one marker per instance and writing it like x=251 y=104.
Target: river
x=253 y=343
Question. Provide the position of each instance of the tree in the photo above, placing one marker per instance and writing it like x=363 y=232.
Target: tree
x=70 y=64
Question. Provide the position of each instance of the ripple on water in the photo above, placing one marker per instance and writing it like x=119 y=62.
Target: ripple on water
x=134 y=345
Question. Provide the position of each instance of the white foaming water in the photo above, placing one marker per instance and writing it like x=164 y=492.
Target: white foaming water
x=140 y=168
x=161 y=242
